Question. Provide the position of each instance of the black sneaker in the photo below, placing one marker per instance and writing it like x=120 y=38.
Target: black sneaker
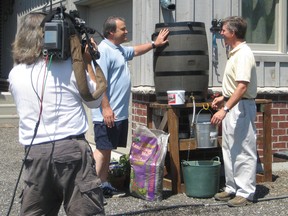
x=110 y=192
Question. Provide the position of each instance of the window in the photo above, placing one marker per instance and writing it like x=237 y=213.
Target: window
x=267 y=24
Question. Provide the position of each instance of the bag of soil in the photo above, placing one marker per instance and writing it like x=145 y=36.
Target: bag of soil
x=147 y=157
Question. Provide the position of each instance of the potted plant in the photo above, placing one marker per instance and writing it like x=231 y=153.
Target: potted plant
x=119 y=172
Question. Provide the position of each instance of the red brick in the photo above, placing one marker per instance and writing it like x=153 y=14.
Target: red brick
x=278 y=145
x=260 y=153
x=144 y=112
x=258 y=125
x=275 y=111
x=139 y=112
x=278 y=132
x=278 y=118
x=279 y=105
x=274 y=139
x=259 y=145
x=143 y=120
x=137 y=118
x=283 y=111
x=274 y=125
x=283 y=124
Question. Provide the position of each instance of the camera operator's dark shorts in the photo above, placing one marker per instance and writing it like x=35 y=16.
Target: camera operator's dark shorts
x=61 y=171
x=111 y=138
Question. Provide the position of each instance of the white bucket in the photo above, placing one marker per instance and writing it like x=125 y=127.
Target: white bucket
x=176 y=97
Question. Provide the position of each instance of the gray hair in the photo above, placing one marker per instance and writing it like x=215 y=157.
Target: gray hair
x=236 y=24
x=110 y=25
x=28 y=43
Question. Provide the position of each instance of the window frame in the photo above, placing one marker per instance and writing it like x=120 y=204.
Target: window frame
x=280 y=45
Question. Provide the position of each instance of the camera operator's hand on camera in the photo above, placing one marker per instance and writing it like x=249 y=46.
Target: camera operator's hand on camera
x=86 y=55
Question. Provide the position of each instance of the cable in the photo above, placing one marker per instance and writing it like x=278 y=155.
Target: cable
x=272 y=198
x=46 y=59
x=22 y=166
x=156 y=209
x=192 y=132
x=35 y=130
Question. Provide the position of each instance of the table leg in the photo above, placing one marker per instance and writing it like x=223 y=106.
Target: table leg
x=149 y=117
x=267 y=151
x=173 y=128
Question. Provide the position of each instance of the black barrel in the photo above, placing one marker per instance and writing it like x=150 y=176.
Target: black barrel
x=184 y=63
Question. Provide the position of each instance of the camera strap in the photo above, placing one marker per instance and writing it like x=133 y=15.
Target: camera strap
x=80 y=72
x=48 y=18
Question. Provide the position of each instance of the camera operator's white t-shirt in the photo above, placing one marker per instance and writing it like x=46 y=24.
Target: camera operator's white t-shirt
x=63 y=112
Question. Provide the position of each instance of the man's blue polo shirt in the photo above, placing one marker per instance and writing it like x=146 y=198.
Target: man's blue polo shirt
x=114 y=64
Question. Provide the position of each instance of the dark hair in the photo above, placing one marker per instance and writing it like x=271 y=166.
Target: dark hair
x=110 y=25
x=28 y=43
x=236 y=24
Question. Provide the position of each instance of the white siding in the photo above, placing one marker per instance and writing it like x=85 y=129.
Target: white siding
x=141 y=17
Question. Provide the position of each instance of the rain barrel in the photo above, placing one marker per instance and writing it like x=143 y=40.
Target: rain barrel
x=182 y=64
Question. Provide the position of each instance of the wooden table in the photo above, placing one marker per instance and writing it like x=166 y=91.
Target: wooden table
x=171 y=119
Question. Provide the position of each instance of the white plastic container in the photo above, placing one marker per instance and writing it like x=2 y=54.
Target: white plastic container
x=176 y=97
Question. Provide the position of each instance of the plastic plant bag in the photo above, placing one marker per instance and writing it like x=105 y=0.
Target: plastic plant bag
x=147 y=157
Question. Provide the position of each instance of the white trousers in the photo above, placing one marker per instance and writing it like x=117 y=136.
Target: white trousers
x=239 y=149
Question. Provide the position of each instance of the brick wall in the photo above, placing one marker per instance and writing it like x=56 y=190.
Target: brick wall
x=279 y=123
x=279 y=119
x=139 y=108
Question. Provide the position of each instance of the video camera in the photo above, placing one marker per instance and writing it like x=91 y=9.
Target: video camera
x=216 y=26
x=58 y=26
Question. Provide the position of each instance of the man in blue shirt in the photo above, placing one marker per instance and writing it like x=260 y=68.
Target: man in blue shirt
x=111 y=119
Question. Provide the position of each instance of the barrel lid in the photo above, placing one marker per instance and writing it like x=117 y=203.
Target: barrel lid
x=175 y=24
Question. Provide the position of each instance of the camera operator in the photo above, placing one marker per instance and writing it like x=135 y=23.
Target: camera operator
x=59 y=165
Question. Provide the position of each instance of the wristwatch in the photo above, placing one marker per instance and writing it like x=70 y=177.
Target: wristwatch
x=153 y=45
x=226 y=109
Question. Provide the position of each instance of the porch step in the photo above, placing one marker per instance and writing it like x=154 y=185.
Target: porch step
x=7 y=109
x=8 y=112
x=6 y=98
x=9 y=121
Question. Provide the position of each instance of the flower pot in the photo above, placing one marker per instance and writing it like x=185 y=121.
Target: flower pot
x=118 y=182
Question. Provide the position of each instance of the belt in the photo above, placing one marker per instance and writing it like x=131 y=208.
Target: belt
x=71 y=137
x=243 y=98
x=78 y=137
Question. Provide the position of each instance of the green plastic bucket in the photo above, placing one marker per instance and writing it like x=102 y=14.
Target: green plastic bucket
x=201 y=178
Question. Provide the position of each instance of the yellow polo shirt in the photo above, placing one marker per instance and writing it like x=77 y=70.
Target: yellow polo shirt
x=241 y=66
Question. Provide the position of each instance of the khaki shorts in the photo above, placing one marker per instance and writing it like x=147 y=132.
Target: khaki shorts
x=61 y=172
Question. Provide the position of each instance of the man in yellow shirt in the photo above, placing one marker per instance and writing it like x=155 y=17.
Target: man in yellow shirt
x=237 y=112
